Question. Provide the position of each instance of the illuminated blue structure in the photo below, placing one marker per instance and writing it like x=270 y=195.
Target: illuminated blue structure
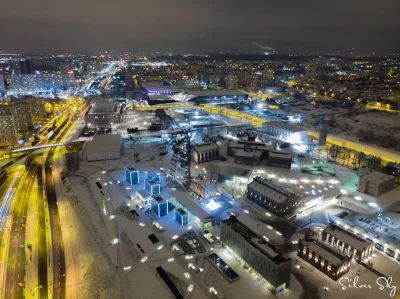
x=159 y=205
x=153 y=176
x=181 y=216
x=152 y=187
x=132 y=175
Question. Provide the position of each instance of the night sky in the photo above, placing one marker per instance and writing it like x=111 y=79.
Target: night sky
x=290 y=26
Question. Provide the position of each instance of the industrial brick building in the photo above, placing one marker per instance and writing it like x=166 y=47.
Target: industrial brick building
x=324 y=257
x=354 y=246
x=375 y=183
x=204 y=152
x=273 y=198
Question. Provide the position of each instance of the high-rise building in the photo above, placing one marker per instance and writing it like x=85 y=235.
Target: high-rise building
x=180 y=161
x=269 y=75
x=38 y=108
x=311 y=71
x=231 y=82
x=118 y=85
x=8 y=133
x=23 y=117
x=2 y=85
x=26 y=66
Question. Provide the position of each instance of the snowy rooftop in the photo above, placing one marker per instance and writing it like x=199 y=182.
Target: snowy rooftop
x=267 y=189
x=143 y=193
x=262 y=245
x=157 y=199
x=202 y=182
x=284 y=126
x=253 y=144
x=105 y=143
x=205 y=147
x=181 y=211
x=324 y=250
x=347 y=237
x=280 y=154
x=243 y=153
x=103 y=107
x=368 y=157
x=131 y=168
x=152 y=182
x=377 y=177
x=192 y=206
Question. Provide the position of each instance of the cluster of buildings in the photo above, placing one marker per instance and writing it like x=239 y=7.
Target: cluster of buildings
x=37 y=84
x=184 y=208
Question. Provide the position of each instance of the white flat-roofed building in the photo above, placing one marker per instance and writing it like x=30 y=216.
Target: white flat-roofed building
x=197 y=214
x=272 y=197
x=104 y=147
x=354 y=246
x=376 y=183
x=285 y=131
x=270 y=263
x=204 y=152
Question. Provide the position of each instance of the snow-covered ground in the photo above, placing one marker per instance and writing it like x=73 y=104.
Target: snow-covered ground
x=319 y=285
x=113 y=257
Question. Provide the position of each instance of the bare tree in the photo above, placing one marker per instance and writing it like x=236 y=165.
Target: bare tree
x=231 y=188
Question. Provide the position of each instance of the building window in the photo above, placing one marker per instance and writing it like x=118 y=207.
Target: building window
x=329 y=267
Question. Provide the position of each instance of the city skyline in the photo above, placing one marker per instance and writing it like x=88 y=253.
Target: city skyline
x=289 y=27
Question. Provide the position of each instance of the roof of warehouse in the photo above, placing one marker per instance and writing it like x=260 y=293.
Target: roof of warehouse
x=105 y=143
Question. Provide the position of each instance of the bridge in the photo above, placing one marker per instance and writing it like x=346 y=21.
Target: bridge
x=24 y=149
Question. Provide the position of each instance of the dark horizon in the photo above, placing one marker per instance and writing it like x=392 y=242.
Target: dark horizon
x=209 y=26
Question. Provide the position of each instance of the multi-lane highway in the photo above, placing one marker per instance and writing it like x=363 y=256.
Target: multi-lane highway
x=43 y=280
x=15 y=277
x=55 y=231
x=101 y=79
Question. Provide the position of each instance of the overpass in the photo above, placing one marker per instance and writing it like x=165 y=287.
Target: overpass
x=24 y=149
